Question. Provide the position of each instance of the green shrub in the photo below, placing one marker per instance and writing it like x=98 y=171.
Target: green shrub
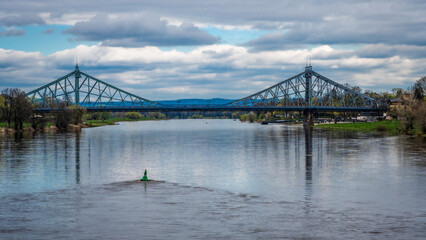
x=244 y=117
x=381 y=128
x=97 y=116
x=133 y=115
x=251 y=117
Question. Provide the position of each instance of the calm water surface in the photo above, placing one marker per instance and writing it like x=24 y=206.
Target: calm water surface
x=215 y=179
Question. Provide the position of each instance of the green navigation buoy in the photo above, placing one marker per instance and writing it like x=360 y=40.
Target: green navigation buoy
x=145 y=177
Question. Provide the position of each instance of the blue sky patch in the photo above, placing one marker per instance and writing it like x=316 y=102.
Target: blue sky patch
x=37 y=40
x=235 y=36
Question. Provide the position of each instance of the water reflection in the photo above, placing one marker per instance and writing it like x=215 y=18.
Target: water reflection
x=311 y=179
x=272 y=160
x=308 y=131
x=308 y=155
x=77 y=158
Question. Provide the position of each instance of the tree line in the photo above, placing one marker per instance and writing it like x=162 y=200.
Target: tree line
x=411 y=114
x=16 y=109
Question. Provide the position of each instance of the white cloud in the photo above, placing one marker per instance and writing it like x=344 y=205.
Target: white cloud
x=210 y=71
x=333 y=21
x=66 y=18
x=20 y=59
x=138 y=30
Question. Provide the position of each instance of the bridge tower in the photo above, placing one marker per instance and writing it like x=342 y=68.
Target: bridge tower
x=308 y=115
x=77 y=76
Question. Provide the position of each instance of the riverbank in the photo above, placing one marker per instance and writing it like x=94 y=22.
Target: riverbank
x=27 y=128
x=112 y=121
x=50 y=126
x=389 y=126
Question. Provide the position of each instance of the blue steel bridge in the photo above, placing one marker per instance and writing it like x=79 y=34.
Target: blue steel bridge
x=307 y=91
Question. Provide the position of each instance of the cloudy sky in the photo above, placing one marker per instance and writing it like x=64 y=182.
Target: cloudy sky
x=170 y=49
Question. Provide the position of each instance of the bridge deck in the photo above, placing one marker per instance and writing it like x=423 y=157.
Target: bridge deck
x=192 y=108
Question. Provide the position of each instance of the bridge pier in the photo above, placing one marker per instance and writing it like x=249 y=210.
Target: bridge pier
x=308 y=118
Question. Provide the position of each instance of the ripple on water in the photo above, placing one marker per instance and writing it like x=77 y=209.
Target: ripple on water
x=158 y=210
x=224 y=179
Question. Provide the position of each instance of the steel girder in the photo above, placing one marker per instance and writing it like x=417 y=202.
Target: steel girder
x=86 y=91
x=308 y=90
x=216 y=108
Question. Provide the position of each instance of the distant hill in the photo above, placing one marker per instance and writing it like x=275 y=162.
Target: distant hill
x=212 y=101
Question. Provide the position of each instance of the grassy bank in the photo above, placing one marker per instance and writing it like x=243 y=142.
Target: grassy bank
x=89 y=123
x=112 y=121
x=389 y=126
x=4 y=124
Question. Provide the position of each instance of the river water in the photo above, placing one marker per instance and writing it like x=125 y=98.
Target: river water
x=214 y=179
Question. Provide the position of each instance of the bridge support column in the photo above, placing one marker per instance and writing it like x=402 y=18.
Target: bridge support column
x=77 y=85
x=308 y=118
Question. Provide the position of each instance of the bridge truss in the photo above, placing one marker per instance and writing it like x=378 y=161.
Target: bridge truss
x=79 y=88
x=307 y=91
x=310 y=90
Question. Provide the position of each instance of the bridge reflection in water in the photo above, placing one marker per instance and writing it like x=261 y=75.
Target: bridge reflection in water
x=308 y=152
x=308 y=155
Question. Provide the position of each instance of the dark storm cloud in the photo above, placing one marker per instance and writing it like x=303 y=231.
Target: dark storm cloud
x=138 y=31
x=21 y=20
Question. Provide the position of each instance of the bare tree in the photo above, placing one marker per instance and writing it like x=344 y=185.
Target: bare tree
x=419 y=89
x=420 y=115
x=17 y=107
x=1 y=106
x=22 y=109
x=63 y=115
x=6 y=110
x=422 y=83
x=406 y=116
x=78 y=113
